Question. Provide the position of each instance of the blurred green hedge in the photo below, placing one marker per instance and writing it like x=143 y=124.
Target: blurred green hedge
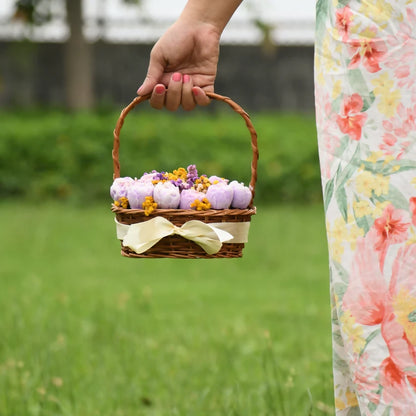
x=55 y=154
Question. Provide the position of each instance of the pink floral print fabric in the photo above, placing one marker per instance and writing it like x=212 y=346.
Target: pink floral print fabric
x=365 y=81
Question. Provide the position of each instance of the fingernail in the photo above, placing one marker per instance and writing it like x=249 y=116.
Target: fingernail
x=159 y=89
x=177 y=76
x=186 y=78
x=140 y=90
x=195 y=91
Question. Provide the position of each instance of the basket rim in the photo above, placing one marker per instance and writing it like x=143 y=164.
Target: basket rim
x=185 y=212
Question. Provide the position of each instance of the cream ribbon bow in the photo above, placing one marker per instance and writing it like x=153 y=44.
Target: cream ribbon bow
x=141 y=236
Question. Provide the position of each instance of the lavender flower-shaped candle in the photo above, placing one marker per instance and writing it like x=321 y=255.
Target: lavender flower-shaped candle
x=148 y=177
x=188 y=196
x=120 y=187
x=220 y=195
x=242 y=195
x=216 y=179
x=166 y=195
x=137 y=193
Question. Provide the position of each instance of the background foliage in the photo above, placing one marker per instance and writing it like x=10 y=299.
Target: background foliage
x=56 y=154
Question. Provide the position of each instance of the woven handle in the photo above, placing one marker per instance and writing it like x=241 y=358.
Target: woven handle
x=231 y=103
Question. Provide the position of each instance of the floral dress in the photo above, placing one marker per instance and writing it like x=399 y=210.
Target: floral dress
x=365 y=77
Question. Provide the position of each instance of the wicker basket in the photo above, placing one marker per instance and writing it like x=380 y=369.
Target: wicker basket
x=177 y=246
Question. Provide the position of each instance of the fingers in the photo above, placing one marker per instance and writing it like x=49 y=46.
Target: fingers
x=180 y=91
x=188 y=102
x=200 y=97
x=157 y=100
x=174 y=93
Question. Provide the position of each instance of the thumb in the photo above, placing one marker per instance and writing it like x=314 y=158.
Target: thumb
x=153 y=77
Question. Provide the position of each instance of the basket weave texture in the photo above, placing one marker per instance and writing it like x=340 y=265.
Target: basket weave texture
x=176 y=246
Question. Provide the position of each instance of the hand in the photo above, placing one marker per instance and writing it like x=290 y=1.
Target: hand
x=183 y=65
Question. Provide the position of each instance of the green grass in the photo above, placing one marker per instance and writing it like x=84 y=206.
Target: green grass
x=86 y=332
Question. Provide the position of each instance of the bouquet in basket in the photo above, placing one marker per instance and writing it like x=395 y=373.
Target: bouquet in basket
x=182 y=189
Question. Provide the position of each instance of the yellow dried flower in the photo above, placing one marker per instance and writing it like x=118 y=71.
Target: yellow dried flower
x=181 y=173
x=202 y=205
x=202 y=184
x=149 y=205
x=123 y=202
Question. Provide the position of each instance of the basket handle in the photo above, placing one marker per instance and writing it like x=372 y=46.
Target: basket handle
x=137 y=100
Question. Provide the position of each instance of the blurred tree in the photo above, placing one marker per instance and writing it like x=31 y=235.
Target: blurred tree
x=79 y=84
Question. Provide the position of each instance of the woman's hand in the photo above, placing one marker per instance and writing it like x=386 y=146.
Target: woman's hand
x=183 y=65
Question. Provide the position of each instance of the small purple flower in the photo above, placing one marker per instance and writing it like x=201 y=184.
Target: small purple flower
x=188 y=196
x=220 y=196
x=159 y=176
x=242 y=195
x=119 y=187
x=137 y=193
x=166 y=195
x=180 y=184
x=192 y=173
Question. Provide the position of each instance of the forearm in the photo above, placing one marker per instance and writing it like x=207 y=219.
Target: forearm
x=214 y=12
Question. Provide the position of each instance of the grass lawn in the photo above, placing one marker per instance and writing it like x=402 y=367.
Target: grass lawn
x=86 y=332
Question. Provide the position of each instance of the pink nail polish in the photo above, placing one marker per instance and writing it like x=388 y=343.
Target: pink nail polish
x=159 y=89
x=186 y=78
x=177 y=76
x=195 y=91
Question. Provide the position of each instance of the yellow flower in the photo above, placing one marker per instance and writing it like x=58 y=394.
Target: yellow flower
x=405 y=306
x=365 y=183
x=123 y=202
x=202 y=184
x=336 y=90
x=149 y=205
x=379 y=10
x=355 y=28
x=361 y=208
x=339 y=404
x=412 y=238
x=379 y=208
x=383 y=84
x=181 y=173
x=381 y=184
x=328 y=61
x=388 y=159
x=374 y=156
x=389 y=102
x=351 y=398
x=201 y=205
x=352 y=331
x=354 y=234
x=339 y=230
x=337 y=250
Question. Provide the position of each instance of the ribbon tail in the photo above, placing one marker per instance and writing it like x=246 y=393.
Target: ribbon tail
x=206 y=236
x=210 y=246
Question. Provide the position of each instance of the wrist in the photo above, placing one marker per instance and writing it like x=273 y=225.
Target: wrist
x=214 y=13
